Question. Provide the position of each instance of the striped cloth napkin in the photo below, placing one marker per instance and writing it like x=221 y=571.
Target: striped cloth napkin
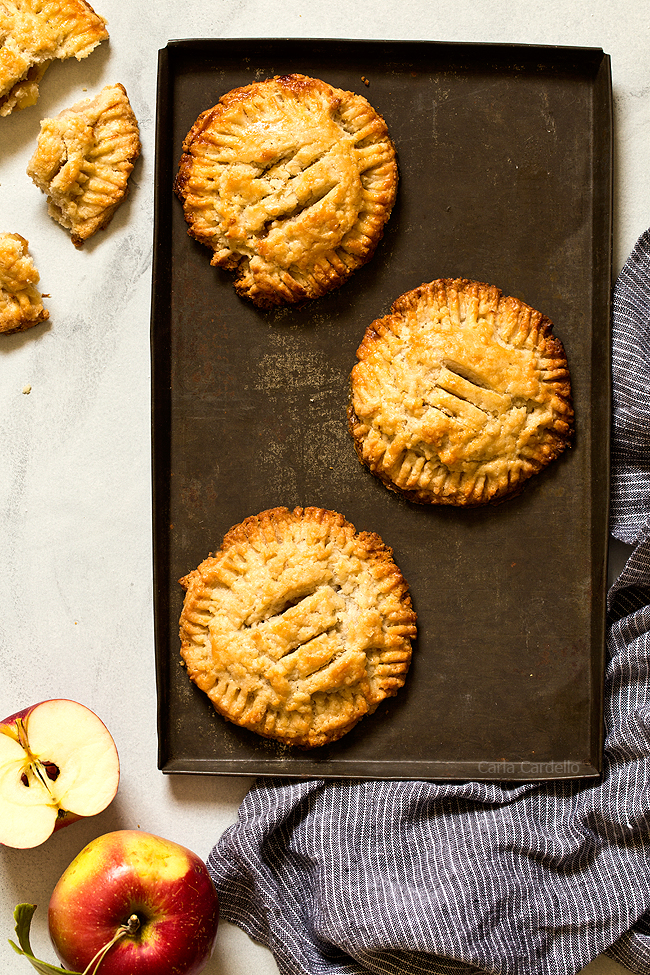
x=348 y=877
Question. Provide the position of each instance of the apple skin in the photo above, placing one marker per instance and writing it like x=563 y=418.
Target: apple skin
x=63 y=817
x=130 y=872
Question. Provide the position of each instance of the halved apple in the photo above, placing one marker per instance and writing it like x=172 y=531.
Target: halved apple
x=58 y=763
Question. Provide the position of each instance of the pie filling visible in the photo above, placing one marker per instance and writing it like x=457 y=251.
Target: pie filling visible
x=21 y=304
x=33 y=33
x=290 y=183
x=298 y=627
x=460 y=394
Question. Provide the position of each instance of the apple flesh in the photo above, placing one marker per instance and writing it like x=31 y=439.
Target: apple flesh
x=58 y=763
x=148 y=902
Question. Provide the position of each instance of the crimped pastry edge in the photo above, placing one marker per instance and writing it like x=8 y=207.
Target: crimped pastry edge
x=471 y=495
x=402 y=622
x=293 y=285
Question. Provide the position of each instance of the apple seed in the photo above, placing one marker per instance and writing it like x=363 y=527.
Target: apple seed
x=51 y=770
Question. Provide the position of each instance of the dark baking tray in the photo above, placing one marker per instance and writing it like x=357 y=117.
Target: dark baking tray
x=505 y=158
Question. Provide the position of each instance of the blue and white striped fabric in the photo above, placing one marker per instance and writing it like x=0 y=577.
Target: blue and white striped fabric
x=631 y=397
x=344 y=878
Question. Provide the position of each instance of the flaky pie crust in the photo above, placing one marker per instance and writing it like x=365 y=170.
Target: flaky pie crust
x=298 y=626
x=33 y=33
x=460 y=394
x=290 y=182
x=21 y=304
x=83 y=160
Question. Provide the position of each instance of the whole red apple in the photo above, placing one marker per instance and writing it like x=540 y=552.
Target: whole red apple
x=58 y=763
x=149 y=899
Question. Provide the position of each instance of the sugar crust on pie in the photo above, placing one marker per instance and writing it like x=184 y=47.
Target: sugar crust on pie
x=21 y=304
x=460 y=394
x=298 y=626
x=33 y=33
x=83 y=159
x=290 y=182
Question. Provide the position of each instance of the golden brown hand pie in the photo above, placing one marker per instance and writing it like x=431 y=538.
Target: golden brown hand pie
x=83 y=161
x=33 y=33
x=298 y=627
x=290 y=182
x=20 y=302
x=459 y=394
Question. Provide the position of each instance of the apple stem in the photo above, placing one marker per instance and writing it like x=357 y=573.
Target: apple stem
x=130 y=927
x=21 y=733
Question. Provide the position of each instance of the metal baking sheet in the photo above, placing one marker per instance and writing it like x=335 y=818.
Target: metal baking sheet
x=505 y=157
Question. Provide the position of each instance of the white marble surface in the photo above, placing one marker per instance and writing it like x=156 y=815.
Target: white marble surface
x=75 y=532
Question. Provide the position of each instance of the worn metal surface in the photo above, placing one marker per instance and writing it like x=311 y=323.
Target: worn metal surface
x=505 y=176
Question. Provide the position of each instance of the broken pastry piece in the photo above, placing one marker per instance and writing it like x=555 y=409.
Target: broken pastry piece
x=20 y=301
x=33 y=33
x=83 y=161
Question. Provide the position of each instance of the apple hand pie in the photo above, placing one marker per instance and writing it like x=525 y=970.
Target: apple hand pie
x=298 y=627
x=290 y=183
x=20 y=302
x=459 y=395
x=83 y=160
x=33 y=33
